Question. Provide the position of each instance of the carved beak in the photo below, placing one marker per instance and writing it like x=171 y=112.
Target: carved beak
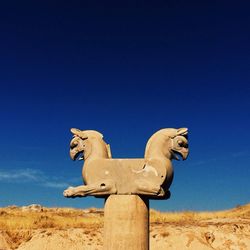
x=184 y=153
x=74 y=153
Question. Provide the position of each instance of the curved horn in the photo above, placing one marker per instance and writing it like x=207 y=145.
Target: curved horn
x=84 y=134
x=182 y=131
x=78 y=132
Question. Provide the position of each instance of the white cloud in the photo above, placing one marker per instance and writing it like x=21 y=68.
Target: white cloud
x=22 y=175
x=55 y=184
x=31 y=175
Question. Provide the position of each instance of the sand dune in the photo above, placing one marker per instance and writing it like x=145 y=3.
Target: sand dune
x=39 y=228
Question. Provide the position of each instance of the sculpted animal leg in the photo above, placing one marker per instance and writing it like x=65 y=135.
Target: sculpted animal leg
x=78 y=191
x=147 y=188
x=99 y=188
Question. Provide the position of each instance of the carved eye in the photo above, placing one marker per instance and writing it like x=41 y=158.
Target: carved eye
x=182 y=144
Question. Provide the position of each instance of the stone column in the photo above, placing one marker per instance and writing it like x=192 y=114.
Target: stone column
x=126 y=223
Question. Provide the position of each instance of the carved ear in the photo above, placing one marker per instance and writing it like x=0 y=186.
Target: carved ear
x=85 y=134
x=182 y=131
x=75 y=131
x=78 y=132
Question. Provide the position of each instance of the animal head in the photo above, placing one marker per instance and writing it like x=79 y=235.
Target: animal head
x=173 y=143
x=179 y=143
x=85 y=142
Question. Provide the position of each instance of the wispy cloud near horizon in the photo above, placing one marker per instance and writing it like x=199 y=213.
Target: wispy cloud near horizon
x=28 y=175
x=55 y=184
x=23 y=175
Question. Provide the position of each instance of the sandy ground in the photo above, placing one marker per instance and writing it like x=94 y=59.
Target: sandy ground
x=213 y=233
x=219 y=235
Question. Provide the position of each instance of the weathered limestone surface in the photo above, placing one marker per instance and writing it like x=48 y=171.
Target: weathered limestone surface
x=126 y=223
x=150 y=176
x=127 y=184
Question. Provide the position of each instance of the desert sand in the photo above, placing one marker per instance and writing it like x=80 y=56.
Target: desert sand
x=38 y=228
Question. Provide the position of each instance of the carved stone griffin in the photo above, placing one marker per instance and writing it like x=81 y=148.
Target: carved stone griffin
x=103 y=175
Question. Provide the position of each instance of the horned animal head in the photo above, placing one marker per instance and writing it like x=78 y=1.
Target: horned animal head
x=179 y=145
x=85 y=142
x=172 y=143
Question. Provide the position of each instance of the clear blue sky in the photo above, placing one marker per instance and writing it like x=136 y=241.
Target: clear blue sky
x=125 y=70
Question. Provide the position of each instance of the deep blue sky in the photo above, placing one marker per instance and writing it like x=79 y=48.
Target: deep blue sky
x=125 y=70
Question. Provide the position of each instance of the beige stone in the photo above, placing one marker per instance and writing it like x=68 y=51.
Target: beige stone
x=126 y=223
x=150 y=176
x=126 y=213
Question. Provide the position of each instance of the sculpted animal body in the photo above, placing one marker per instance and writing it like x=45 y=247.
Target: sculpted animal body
x=103 y=175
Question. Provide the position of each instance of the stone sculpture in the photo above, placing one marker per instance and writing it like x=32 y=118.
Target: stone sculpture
x=103 y=175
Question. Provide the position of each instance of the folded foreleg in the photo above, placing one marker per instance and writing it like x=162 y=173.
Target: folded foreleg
x=145 y=187
x=105 y=187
